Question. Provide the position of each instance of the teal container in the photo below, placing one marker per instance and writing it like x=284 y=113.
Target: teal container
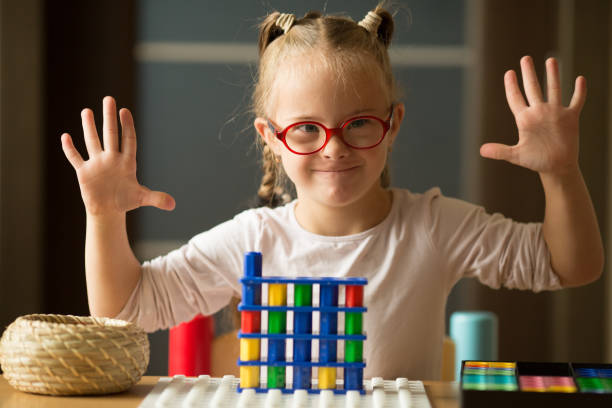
x=475 y=337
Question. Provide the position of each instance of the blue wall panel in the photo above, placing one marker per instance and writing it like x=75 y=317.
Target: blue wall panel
x=429 y=22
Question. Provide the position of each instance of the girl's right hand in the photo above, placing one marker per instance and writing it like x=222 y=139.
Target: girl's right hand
x=108 y=179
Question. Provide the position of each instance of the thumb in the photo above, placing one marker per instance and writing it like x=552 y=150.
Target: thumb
x=159 y=199
x=497 y=151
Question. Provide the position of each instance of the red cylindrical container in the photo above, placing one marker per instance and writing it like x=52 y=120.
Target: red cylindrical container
x=189 y=347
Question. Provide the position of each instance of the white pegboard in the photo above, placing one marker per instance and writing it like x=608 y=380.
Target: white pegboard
x=205 y=391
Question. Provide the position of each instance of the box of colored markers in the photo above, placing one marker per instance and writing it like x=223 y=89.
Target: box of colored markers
x=533 y=384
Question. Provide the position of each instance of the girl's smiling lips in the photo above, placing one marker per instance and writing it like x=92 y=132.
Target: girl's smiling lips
x=335 y=170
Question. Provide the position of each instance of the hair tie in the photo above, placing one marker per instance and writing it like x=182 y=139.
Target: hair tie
x=371 y=22
x=285 y=21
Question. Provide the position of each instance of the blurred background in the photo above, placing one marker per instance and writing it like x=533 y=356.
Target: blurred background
x=185 y=69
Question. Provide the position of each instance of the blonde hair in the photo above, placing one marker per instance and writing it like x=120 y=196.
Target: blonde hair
x=349 y=46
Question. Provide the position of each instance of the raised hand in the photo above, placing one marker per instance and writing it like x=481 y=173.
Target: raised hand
x=108 y=178
x=548 y=131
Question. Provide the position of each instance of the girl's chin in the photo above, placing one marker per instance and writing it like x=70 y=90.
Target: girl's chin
x=341 y=196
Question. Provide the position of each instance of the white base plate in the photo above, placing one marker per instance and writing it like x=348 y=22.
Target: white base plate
x=205 y=391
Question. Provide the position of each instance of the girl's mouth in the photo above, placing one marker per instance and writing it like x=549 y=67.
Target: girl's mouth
x=336 y=170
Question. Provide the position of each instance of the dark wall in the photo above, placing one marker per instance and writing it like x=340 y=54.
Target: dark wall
x=89 y=46
x=566 y=325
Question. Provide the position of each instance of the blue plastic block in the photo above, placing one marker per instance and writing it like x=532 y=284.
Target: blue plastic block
x=252 y=264
x=276 y=350
x=251 y=293
x=301 y=350
x=328 y=351
x=301 y=378
x=353 y=378
x=329 y=323
x=302 y=322
x=328 y=295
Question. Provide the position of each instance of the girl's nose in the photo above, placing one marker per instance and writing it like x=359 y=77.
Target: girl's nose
x=335 y=147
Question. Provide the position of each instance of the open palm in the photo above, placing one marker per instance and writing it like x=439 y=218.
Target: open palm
x=108 y=178
x=548 y=131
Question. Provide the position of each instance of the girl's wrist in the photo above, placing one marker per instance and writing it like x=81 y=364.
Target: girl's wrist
x=567 y=178
x=105 y=219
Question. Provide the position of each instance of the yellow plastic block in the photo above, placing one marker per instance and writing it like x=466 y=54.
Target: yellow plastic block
x=277 y=294
x=327 y=378
x=249 y=376
x=249 y=349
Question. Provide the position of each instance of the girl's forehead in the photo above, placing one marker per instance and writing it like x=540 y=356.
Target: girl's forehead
x=308 y=83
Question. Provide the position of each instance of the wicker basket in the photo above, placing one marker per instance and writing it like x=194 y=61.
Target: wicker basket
x=70 y=355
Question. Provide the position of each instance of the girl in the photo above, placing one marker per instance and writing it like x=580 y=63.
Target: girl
x=328 y=114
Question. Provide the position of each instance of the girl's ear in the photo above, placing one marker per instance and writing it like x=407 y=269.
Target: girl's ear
x=264 y=131
x=398 y=116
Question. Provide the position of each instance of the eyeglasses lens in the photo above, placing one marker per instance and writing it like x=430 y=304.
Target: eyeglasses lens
x=310 y=137
x=363 y=132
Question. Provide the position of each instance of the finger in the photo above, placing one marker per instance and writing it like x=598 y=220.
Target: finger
x=515 y=99
x=109 y=130
x=553 y=84
x=92 y=141
x=530 y=81
x=580 y=92
x=497 y=151
x=128 y=133
x=161 y=200
x=72 y=154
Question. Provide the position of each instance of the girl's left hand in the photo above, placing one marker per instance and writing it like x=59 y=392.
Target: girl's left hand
x=548 y=131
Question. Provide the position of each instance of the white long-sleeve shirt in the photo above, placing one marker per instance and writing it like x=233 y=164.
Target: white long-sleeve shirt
x=411 y=259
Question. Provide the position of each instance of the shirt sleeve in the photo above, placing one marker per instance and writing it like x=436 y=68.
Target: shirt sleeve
x=496 y=250
x=200 y=277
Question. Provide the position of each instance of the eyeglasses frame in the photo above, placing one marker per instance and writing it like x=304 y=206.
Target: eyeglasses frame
x=280 y=134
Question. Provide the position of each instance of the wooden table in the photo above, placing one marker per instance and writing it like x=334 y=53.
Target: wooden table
x=441 y=395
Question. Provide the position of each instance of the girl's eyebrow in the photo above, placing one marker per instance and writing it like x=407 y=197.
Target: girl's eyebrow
x=362 y=111
x=316 y=118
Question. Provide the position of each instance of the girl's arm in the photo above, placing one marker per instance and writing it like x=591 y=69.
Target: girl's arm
x=111 y=269
x=109 y=189
x=548 y=144
x=571 y=230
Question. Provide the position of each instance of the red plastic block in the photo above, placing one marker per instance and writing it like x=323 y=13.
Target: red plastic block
x=250 y=321
x=354 y=296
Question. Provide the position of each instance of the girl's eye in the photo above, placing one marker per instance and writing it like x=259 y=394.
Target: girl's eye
x=357 y=123
x=308 y=128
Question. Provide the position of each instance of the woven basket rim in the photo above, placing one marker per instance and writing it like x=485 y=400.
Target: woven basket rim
x=72 y=321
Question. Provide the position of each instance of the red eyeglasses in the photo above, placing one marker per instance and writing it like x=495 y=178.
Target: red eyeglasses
x=361 y=132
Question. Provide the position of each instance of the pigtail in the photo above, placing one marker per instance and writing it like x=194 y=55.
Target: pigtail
x=271 y=192
x=269 y=31
x=386 y=27
x=273 y=26
x=268 y=178
x=380 y=23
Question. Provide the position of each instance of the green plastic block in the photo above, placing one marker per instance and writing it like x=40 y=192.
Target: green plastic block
x=276 y=377
x=302 y=295
x=353 y=323
x=353 y=351
x=277 y=322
